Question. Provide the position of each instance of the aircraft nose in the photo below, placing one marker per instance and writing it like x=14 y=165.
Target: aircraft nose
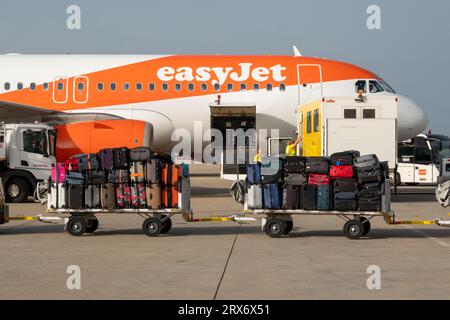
x=412 y=120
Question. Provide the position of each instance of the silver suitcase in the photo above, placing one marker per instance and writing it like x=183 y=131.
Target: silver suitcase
x=255 y=197
x=92 y=197
x=386 y=197
x=52 y=197
x=62 y=190
x=184 y=194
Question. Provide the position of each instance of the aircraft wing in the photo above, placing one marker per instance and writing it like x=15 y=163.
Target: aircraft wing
x=10 y=110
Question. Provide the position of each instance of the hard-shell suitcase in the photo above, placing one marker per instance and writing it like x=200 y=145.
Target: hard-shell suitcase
x=137 y=171
x=123 y=196
x=292 y=197
x=295 y=164
x=141 y=154
x=107 y=198
x=254 y=173
x=184 y=194
x=52 y=196
x=170 y=174
x=345 y=205
x=121 y=158
x=369 y=176
x=71 y=164
x=295 y=179
x=318 y=179
x=255 y=197
x=345 y=157
x=341 y=172
x=94 y=162
x=345 y=196
x=369 y=205
x=324 y=197
x=83 y=162
x=152 y=171
x=74 y=196
x=369 y=193
x=58 y=173
x=74 y=177
x=96 y=177
x=345 y=185
x=106 y=159
x=138 y=197
x=272 y=196
x=317 y=165
x=386 y=197
x=92 y=197
x=366 y=162
x=309 y=197
x=184 y=170
x=271 y=170
x=169 y=196
x=153 y=194
x=62 y=195
x=119 y=176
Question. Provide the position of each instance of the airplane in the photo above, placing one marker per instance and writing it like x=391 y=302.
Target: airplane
x=173 y=91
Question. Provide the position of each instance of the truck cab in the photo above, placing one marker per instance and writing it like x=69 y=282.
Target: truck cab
x=27 y=153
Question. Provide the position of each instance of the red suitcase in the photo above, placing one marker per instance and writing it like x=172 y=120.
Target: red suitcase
x=318 y=179
x=71 y=164
x=341 y=172
x=123 y=196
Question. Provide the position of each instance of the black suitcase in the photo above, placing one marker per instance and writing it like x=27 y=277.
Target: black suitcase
x=292 y=197
x=345 y=196
x=96 y=177
x=369 y=205
x=345 y=157
x=295 y=165
x=384 y=168
x=369 y=194
x=121 y=158
x=370 y=186
x=309 y=197
x=317 y=165
x=141 y=154
x=345 y=185
x=345 y=205
x=74 y=196
x=369 y=176
x=295 y=179
x=94 y=162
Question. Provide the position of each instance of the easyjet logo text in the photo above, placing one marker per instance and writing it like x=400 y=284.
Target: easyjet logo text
x=220 y=74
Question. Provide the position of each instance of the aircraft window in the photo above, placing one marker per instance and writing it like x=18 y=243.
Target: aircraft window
x=19 y=86
x=282 y=87
x=369 y=113
x=216 y=86
x=387 y=87
x=112 y=86
x=80 y=86
x=361 y=85
x=126 y=86
x=230 y=87
x=191 y=87
x=316 y=120
x=33 y=86
x=375 y=87
x=308 y=122
x=178 y=86
x=7 y=85
x=100 y=86
x=45 y=86
x=138 y=86
x=256 y=86
x=269 y=87
x=151 y=86
x=204 y=87
x=349 y=113
x=165 y=87
x=243 y=86
x=60 y=86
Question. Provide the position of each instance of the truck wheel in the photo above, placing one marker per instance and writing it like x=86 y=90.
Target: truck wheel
x=92 y=225
x=152 y=227
x=366 y=225
x=275 y=228
x=353 y=229
x=77 y=226
x=17 y=190
x=166 y=225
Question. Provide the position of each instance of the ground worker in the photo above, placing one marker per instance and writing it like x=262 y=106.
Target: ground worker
x=257 y=157
x=291 y=147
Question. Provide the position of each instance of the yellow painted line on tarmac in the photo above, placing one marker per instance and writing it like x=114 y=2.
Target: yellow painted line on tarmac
x=416 y=222
x=22 y=218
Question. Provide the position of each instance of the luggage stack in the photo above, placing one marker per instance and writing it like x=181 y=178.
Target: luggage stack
x=370 y=178
x=345 y=186
x=119 y=178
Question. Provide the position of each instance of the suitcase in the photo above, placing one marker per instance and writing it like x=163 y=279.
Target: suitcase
x=254 y=173
x=74 y=177
x=366 y=162
x=94 y=162
x=345 y=196
x=119 y=176
x=107 y=198
x=74 y=196
x=369 y=205
x=345 y=205
x=71 y=164
x=271 y=170
x=384 y=168
x=106 y=159
x=324 y=197
x=255 y=197
x=295 y=179
x=318 y=179
x=292 y=197
x=96 y=177
x=370 y=186
x=341 y=172
x=386 y=197
x=141 y=154
x=153 y=194
x=123 y=196
x=345 y=157
x=345 y=185
x=184 y=194
x=170 y=174
x=137 y=171
x=58 y=173
x=52 y=196
x=83 y=162
x=272 y=196
x=369 y=176
x=309 y=197
x=92 y=197
x=121 y=158
x=152 y=171
x=169 y=195
x=61 y=195
x=295 y=165
x=369 y=194
x=138 y=197
x=184 y=170
x=317 y=165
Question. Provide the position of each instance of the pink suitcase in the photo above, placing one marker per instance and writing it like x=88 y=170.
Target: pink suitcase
x=58 y=173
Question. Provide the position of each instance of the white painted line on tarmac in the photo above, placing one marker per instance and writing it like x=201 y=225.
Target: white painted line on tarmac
x=440 y=242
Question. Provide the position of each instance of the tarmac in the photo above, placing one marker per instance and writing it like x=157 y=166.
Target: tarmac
x=227 y=260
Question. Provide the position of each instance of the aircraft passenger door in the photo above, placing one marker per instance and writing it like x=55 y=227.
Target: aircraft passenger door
x=309 y=83
x=60 y=89
x=80 y=89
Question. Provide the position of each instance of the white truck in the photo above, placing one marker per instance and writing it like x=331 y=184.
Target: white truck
x=27 y=152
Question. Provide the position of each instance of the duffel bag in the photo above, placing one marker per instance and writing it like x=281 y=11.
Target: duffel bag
x=341 y=172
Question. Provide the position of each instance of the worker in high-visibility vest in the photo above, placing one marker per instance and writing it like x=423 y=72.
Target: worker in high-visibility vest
x=257 y=157
x=291 y=147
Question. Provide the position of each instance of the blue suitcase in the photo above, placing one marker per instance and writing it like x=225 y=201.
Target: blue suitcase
x=272 y=196
x=254 y=174
x=324 y=198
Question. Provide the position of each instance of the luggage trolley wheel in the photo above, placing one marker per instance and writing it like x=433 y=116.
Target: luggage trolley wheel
x=152 y=227
x=289 y=226
x=354 y=229
x=77 y=226
x=366 y=225
x=275 y=228
x=166 y=225
x=92 y=225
